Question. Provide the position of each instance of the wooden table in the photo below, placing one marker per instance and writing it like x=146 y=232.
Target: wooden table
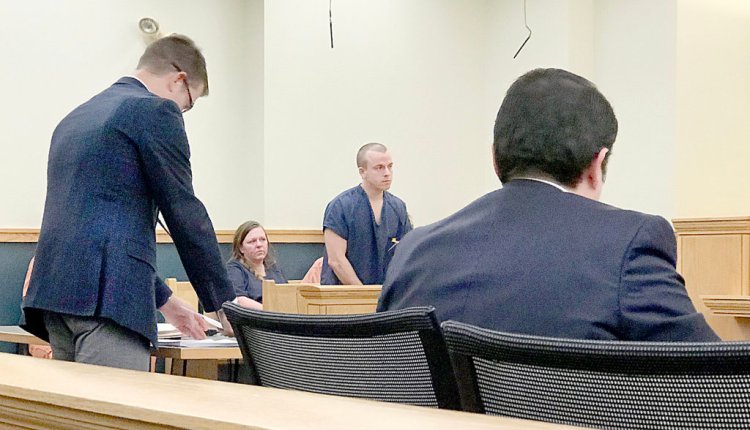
x=194 y=362
x=51 y=394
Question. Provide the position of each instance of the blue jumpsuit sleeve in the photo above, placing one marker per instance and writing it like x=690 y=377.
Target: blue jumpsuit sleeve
x=407 y=222
x=335 y=219
x=239 y=279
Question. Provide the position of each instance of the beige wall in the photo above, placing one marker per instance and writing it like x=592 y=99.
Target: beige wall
x=276 y=139
x=713 y=108
x=405 y=73
x=634 y=63
x=57 y=54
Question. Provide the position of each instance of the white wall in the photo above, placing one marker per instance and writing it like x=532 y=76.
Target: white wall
x=57 y=54
x=404 y=73
x=426 y=78
x=634 y=53
x=713 y=93
x=276 y=139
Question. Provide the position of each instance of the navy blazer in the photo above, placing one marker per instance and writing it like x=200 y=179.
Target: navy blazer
x=530 y=258
x=113 y=162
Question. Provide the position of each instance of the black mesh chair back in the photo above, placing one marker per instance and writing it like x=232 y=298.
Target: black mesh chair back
x=396 y=356
x=602 y=384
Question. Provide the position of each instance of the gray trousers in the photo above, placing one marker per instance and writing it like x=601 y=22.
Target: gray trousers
x=96 y=340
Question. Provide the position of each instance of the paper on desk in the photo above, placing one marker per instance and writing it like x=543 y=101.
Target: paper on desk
x=212 y=322
x=167 y=330
x=216 y=341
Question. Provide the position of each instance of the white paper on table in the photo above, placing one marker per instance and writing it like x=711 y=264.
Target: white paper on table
x=217 y=341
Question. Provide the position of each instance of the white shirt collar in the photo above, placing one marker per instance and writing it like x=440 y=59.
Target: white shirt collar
x=554 y=184
x=142 y=83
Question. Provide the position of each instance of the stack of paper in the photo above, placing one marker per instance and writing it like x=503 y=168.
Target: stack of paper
x=209 y=342
x=166 y=331
x=169 y=335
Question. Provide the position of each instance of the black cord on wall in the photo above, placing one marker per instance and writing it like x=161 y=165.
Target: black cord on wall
x=524 y=23
x=330 y=21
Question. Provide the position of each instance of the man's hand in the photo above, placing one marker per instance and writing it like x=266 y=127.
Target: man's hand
x=186 y=320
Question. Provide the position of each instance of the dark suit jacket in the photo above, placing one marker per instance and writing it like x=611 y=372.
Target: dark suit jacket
x=113 y=161
x=530 y=258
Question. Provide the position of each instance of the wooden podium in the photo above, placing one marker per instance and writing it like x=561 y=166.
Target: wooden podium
x=314 y=299
x=714 y=258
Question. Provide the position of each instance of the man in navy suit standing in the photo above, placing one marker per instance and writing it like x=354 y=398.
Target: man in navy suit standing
x=114 y=163
x=542 y=255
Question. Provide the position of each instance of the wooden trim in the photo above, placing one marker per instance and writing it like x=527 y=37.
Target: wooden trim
x=708 y=226
x=736 y=306
x=293 y=236
x=19 y=235
x=31 y=235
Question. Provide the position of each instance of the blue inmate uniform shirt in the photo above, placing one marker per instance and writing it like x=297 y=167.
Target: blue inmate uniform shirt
x=247 y=284
x=369 y=246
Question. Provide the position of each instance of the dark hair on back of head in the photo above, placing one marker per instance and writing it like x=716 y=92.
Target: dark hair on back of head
x=163 y=54
x=552 y=123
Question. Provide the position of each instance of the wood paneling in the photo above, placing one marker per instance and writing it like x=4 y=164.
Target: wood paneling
x=300 y=298
x=30 y=235
x=714 y=258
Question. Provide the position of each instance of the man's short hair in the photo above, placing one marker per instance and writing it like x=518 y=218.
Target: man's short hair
x=372 y=146
x=162 y=55
x=552 y=123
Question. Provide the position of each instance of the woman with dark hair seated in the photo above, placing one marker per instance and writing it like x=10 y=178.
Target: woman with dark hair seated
x=252 y=261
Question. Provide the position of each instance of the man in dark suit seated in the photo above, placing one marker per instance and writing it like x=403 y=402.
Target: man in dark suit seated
x=541 y=255
x=114 y=162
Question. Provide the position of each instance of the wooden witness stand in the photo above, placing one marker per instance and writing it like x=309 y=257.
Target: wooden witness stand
x=714 y=258
x=314 y=299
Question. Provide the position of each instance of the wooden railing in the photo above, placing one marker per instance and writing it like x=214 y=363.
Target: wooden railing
x=30 y=235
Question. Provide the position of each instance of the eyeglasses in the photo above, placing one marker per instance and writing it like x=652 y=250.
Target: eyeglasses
x=187 y=87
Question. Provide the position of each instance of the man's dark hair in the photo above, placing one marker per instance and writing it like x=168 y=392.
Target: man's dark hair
x=162 y=55
x=552 y=123
x=372 y=146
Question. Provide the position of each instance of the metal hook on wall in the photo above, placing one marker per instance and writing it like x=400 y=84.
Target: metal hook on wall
x=527 y=28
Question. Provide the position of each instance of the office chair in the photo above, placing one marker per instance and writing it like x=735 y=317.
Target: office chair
x=394 y=356
x=602 y=384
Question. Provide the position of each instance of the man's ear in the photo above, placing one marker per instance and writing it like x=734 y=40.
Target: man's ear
x=597 y=165
x=494 y=161
x=174 y=79
x=592 y=179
